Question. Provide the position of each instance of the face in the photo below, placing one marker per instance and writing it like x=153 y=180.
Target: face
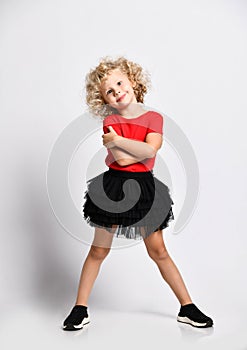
x=117 y=90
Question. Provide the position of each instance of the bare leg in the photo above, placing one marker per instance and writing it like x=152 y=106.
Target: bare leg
x=157 y=251
x=100 y=248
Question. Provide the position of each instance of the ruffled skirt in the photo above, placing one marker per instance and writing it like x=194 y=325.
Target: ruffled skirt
x=127 y=204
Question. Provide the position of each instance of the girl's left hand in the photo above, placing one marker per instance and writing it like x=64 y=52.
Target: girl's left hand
x=110 y=137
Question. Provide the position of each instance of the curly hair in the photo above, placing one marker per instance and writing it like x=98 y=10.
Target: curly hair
x=94 y=78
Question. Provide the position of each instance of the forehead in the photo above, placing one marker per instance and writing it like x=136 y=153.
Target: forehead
x=112 y=77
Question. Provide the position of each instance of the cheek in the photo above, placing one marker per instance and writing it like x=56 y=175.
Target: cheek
x=111 y=98
x=107 y=98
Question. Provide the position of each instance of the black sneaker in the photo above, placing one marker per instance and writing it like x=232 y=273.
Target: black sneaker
x=190 y=314
x=77 y=318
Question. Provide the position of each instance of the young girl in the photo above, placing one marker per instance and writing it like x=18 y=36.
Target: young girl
x=127 y=200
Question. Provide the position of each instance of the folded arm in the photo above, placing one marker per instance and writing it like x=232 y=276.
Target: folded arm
x=124 y=158
x=137 y=148
x=128 y=151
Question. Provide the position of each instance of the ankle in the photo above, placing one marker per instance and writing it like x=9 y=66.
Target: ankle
x=188 y=303
x=83 y=305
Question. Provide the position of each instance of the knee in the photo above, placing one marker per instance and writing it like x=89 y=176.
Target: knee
x=98 y=253
x=158 y=254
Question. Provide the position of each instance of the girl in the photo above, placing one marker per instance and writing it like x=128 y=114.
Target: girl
x=127 y=200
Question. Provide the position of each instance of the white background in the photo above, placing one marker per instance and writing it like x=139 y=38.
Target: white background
x=196 y=54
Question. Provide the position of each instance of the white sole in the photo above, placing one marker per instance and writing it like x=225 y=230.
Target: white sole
x=193 y=323
x=85 y=321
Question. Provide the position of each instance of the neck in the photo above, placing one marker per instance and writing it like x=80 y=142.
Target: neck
x=132 y=110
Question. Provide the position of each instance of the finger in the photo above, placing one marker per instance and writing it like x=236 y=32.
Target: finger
x=111 y=129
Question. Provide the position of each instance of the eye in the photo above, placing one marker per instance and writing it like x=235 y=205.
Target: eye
x=119 y=83
x=109 y=91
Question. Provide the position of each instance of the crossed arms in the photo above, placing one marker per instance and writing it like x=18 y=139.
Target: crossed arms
x=127 y=151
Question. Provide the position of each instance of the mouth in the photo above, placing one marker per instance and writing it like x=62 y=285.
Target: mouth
x=121 y=98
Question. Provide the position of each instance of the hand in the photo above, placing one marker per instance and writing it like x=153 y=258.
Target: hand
x=110 y=138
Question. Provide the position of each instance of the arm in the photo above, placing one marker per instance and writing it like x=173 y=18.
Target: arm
x=138 y=149
x=124 y=158
x=149 y=147
x=134 y=151
x=154 y=140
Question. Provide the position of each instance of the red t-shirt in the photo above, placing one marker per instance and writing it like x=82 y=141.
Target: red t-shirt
x=135 y=129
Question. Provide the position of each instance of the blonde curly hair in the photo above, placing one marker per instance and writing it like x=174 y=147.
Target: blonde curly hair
x=94 y=78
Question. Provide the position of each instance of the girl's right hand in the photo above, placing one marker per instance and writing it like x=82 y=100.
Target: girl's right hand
x=110 y=137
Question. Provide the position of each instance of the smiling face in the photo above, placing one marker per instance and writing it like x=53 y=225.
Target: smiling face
x=117 y=90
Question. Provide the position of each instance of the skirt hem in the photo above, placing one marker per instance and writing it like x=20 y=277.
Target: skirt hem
x=131 y=231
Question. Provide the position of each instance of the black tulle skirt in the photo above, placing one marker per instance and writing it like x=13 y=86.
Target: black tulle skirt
x=127 y=204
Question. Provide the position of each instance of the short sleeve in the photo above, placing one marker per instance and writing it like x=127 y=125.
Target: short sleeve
x=105 y=125
x=111 y=121
x=105 y=129
x=155 y=123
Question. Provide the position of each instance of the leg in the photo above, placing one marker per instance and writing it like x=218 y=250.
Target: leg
x=157 y=251
x=100 y=248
